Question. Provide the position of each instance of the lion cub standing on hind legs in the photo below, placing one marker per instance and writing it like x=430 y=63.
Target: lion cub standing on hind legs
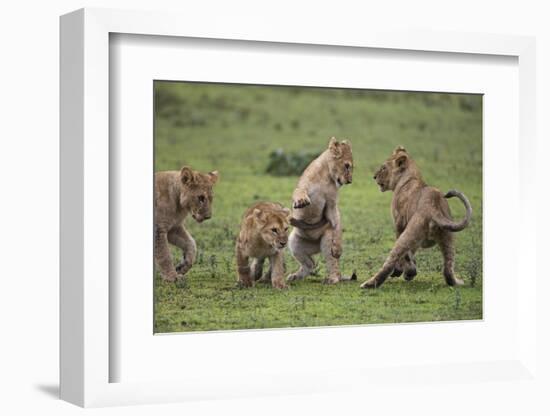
x=178 y=194
x=421 y=216
x=316 y=217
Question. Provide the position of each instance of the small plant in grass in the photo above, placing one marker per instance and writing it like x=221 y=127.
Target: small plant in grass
x=473 y=268
x=283 y=163
x=213 y=263
x=457 y=298
x=181 y=283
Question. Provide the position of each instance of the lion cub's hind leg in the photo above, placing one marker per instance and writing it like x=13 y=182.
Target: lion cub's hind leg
x=257 y=268
x=408 y=241
x=333 y=267
x=163 y=257
x=446 y=244
x=302 y=250
x=266 y=278
x=243 y=269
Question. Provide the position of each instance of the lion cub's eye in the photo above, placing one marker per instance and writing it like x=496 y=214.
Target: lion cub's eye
x=286 y=229
x=274 y=230
x=202 y=199
x=347 y=165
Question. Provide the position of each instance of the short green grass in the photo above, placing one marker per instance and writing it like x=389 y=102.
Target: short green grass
x=234 y=128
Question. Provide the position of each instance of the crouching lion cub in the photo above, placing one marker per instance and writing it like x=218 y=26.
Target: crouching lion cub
x=263 y=234
x=178 y=194
x=316 y=217
x=421 y=216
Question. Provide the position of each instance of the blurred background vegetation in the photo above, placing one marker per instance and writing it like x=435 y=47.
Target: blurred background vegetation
x=260 y=138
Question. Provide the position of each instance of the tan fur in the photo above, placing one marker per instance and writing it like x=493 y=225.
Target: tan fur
x=315 y=200
x=422 y=218
x=178 y=194
x=263 y=234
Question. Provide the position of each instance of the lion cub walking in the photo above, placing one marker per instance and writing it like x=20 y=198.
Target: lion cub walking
x=421 y=216
x=178 y=194
x=316 y=217
x=263 y=234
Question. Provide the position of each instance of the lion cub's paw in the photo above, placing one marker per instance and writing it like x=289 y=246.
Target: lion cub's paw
x=241 y=284
x=172 y=277
x=301 y=200
x=410 y=274
x=396 y=272
x=369 y=284
x=458 y=282
x=293 y=277
x=183 y=267
x=280 y=284
x=264 y=279
x=331 y=280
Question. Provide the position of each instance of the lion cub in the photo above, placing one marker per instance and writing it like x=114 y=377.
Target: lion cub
x=264 y=234
x=176 y=195
x=421 y=216
x=316 y=217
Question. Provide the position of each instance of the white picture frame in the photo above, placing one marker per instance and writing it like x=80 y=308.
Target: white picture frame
x=86 y=356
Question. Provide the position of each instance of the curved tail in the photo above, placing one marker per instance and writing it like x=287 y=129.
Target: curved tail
x=450 y=225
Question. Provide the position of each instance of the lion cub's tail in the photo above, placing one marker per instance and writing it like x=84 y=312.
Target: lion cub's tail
x=450 y=225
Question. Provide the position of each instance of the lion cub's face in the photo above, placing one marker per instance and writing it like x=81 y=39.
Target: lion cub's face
x=197 y=192
x=387 y=176
x=273 y=227
x=340 y=162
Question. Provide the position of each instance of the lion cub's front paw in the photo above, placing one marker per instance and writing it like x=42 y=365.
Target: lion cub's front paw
x=264 y=279
x=183 y=267
x=279 y=284
x=396 y=272
x=331 y=280
x=174 y=277
x=243 y=283
x=369 y=284
x=301 y=200
x=293 y=277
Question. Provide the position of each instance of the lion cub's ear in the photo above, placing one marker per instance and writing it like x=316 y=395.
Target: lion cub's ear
x=214 y=176
x=258 y=216
x=347 y=142
x=402 y=161
x=399 y=149
x=186 y=175
x=334 y=147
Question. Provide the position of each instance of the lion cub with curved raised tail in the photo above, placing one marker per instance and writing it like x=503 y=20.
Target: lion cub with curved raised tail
x=178 y=194
x=421 y=216
x=263 y=234
x=316 y=217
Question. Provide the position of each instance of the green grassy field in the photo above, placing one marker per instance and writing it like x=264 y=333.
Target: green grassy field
x=234 y=128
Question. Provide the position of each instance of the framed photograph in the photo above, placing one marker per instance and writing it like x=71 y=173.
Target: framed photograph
x=266 y=141
x=279 y=212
